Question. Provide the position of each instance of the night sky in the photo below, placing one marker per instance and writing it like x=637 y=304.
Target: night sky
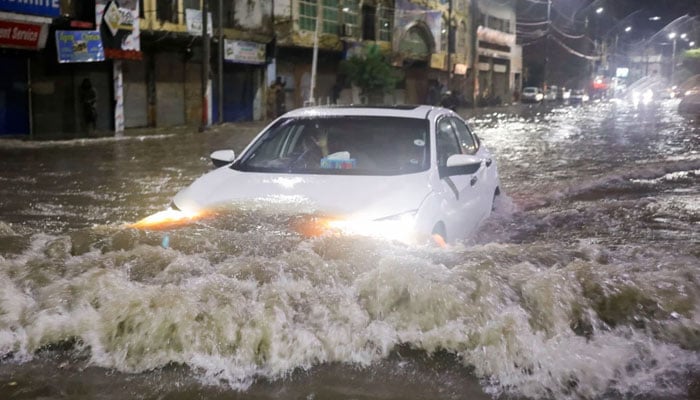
x=576 y=29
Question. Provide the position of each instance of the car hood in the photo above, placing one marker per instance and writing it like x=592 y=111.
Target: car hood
x=369 y=197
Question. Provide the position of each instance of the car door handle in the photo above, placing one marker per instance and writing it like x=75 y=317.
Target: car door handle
x=488 y=162
x=473 y=181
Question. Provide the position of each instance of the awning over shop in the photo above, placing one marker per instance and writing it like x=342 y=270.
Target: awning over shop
x=21 y=31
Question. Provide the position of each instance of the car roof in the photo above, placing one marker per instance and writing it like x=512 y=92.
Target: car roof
x=401 y=111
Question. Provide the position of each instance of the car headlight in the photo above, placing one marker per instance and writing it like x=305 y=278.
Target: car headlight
x=400 y=227
x=172 y=217
x=396 y=227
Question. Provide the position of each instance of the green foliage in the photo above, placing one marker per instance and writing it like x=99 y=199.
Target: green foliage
x=691 y=60
x=371 y=72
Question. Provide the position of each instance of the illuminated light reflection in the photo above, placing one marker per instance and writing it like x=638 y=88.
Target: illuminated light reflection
x=399 y=228
x=288 y=183
x=168 y=219
x=644 y=98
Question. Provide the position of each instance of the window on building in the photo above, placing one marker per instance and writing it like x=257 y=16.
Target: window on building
x=191 y=4
x=166 y=10
x=369 y=15
x=463 y=38
x=386 y=24
x=350 y=17
x=307 y=15
x=498 y=24
x=338 y=16
x=444 y=35
x=228 y=14
x=331 y=17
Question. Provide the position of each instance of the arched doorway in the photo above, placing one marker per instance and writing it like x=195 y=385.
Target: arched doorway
x=415 y=46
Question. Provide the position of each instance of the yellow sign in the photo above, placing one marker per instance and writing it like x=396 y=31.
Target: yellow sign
x=437 y=61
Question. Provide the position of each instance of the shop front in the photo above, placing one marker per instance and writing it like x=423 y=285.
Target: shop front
x=22 y=36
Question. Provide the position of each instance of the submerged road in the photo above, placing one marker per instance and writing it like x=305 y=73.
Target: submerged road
x=583 y=284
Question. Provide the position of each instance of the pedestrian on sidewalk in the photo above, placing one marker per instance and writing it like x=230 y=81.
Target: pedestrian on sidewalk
x=88 y=98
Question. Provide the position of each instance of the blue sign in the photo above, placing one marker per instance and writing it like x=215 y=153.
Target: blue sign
x=48 y=8
x=79 y=46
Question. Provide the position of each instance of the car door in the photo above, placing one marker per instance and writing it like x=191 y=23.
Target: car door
x=483 y=180
x=461 y=207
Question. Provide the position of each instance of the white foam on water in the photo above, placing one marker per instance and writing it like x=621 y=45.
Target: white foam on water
x=507 y=310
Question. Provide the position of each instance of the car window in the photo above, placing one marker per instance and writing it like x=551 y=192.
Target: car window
x=363 y=145
x=466 y=139
x=446 y=141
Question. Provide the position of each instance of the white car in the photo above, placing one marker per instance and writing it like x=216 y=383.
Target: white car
x=407 y=173
x=551 y=93
x=532 y=94
x=579 y=96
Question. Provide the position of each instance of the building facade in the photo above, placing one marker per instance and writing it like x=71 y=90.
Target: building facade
x=144 y=59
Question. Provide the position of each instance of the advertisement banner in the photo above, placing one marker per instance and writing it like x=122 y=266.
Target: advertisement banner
x=118 y=24
x=47 y=8
x=244 y=52
x=79 y=46
x=193 y=21
x=22 y=35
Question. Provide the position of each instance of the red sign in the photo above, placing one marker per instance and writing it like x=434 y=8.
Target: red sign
x=21 y=35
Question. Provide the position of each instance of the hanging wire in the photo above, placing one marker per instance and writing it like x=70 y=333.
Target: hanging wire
x=573 y=51
x=532 y=23
x=582 y=36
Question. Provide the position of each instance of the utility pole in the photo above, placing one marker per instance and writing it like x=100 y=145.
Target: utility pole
x=673 y=56
x=546 y=45
x=449 y=45
x=221 y=63
x=314 y=62
x=474 y=11
x=205 y=65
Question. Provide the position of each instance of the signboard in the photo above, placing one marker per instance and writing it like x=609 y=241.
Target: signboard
x=47 y=8
x=118 y=25
x=79 y=46
x=244 y=52
x=437 y=60
x=460 y=69
x=22 y=35
x=495 y=36
x=193 y=20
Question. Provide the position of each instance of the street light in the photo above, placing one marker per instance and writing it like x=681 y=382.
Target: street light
x=672 y=36
x=599 y=10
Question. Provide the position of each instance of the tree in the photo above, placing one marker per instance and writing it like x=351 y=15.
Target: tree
x=691 y=60
x=371 y=72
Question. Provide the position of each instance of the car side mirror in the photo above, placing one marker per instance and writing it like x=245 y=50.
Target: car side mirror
x=222 y=157
x=461 y=164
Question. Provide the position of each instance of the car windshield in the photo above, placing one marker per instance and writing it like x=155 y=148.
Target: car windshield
x=347 y=145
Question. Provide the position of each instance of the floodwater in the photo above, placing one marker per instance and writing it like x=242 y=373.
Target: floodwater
x=584 y=284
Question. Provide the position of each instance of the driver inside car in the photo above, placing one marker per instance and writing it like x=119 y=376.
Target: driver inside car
x=313 y=147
